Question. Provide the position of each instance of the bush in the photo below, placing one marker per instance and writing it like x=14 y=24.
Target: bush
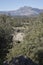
x=5 y=39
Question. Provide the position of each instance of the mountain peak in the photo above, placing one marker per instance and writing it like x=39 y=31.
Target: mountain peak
x=25 y=7
x=27 y=11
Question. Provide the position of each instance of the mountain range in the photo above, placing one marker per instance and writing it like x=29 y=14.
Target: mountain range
x=23 y=11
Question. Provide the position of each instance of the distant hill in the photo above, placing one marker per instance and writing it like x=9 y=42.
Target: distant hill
x=23 y=11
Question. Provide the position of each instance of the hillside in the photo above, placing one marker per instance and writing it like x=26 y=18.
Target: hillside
x=26 y=41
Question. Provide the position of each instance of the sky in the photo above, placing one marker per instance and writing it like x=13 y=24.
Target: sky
x=7 y=5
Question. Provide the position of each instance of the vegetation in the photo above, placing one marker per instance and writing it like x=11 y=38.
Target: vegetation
x=5 y=38
x=32 y=42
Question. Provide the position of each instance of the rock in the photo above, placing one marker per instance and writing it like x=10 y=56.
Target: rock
x=18 y=37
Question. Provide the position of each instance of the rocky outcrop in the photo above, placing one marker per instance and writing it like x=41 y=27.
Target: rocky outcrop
x=18 y=37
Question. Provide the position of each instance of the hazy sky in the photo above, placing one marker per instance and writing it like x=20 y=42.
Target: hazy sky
x=15 y=4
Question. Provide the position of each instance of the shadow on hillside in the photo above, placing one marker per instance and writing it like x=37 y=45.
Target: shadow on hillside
x=21 y=60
